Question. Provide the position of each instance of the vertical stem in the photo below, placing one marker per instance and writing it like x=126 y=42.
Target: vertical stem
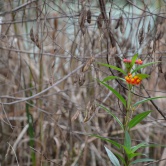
x=128 y=113
x=127 y=118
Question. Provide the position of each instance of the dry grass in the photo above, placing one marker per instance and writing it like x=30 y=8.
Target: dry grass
x=49 y=91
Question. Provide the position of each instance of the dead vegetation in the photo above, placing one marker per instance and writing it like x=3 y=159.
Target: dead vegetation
x=49 y=93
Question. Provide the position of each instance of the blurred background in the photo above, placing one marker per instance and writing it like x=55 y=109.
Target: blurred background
x=50 y=52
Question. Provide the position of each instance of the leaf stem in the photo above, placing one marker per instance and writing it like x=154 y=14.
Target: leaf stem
x=127 y=118
x=128 y=109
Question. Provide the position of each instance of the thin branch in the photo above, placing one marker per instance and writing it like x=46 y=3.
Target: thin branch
x=18 y=8
x=157 y=108
x=44 y=156
x=14 y=153
x=45 y=90
x=155 y=162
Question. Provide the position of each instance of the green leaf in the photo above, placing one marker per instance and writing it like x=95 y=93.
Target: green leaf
x=127 y=150
x=112 y=78
x=154 y=145
x=128 y=67
x=143 y=66
x=115 y=117
x=132 y=155
x=121 y=158
x=127 y=141
x=148 y=99
x=115 y=93
x=142 y=160
x=108 y=140
x=147 y=145
x=114 y=67
x=135 y=148
x=134 y=58
x=143 y=76
x=112 y=157
x=137 y=119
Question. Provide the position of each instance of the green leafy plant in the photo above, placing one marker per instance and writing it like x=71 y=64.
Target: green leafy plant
x=131 y=78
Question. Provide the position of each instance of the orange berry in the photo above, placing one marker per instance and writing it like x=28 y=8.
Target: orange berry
x=132 y=80
x=128 y=80
x=135 y=77
x=139 y=62
x=130 y=76
x=126 y=77
x=138 y=81
x=126 y=60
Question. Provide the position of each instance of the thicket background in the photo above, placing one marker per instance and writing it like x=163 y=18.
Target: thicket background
x=49 y=93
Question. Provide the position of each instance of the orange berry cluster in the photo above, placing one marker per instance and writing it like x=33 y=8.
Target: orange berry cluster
x=139 y=61
x=134 y=80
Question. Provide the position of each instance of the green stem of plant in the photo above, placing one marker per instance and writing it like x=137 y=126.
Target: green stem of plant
x=127 y=118
x=128 y=109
